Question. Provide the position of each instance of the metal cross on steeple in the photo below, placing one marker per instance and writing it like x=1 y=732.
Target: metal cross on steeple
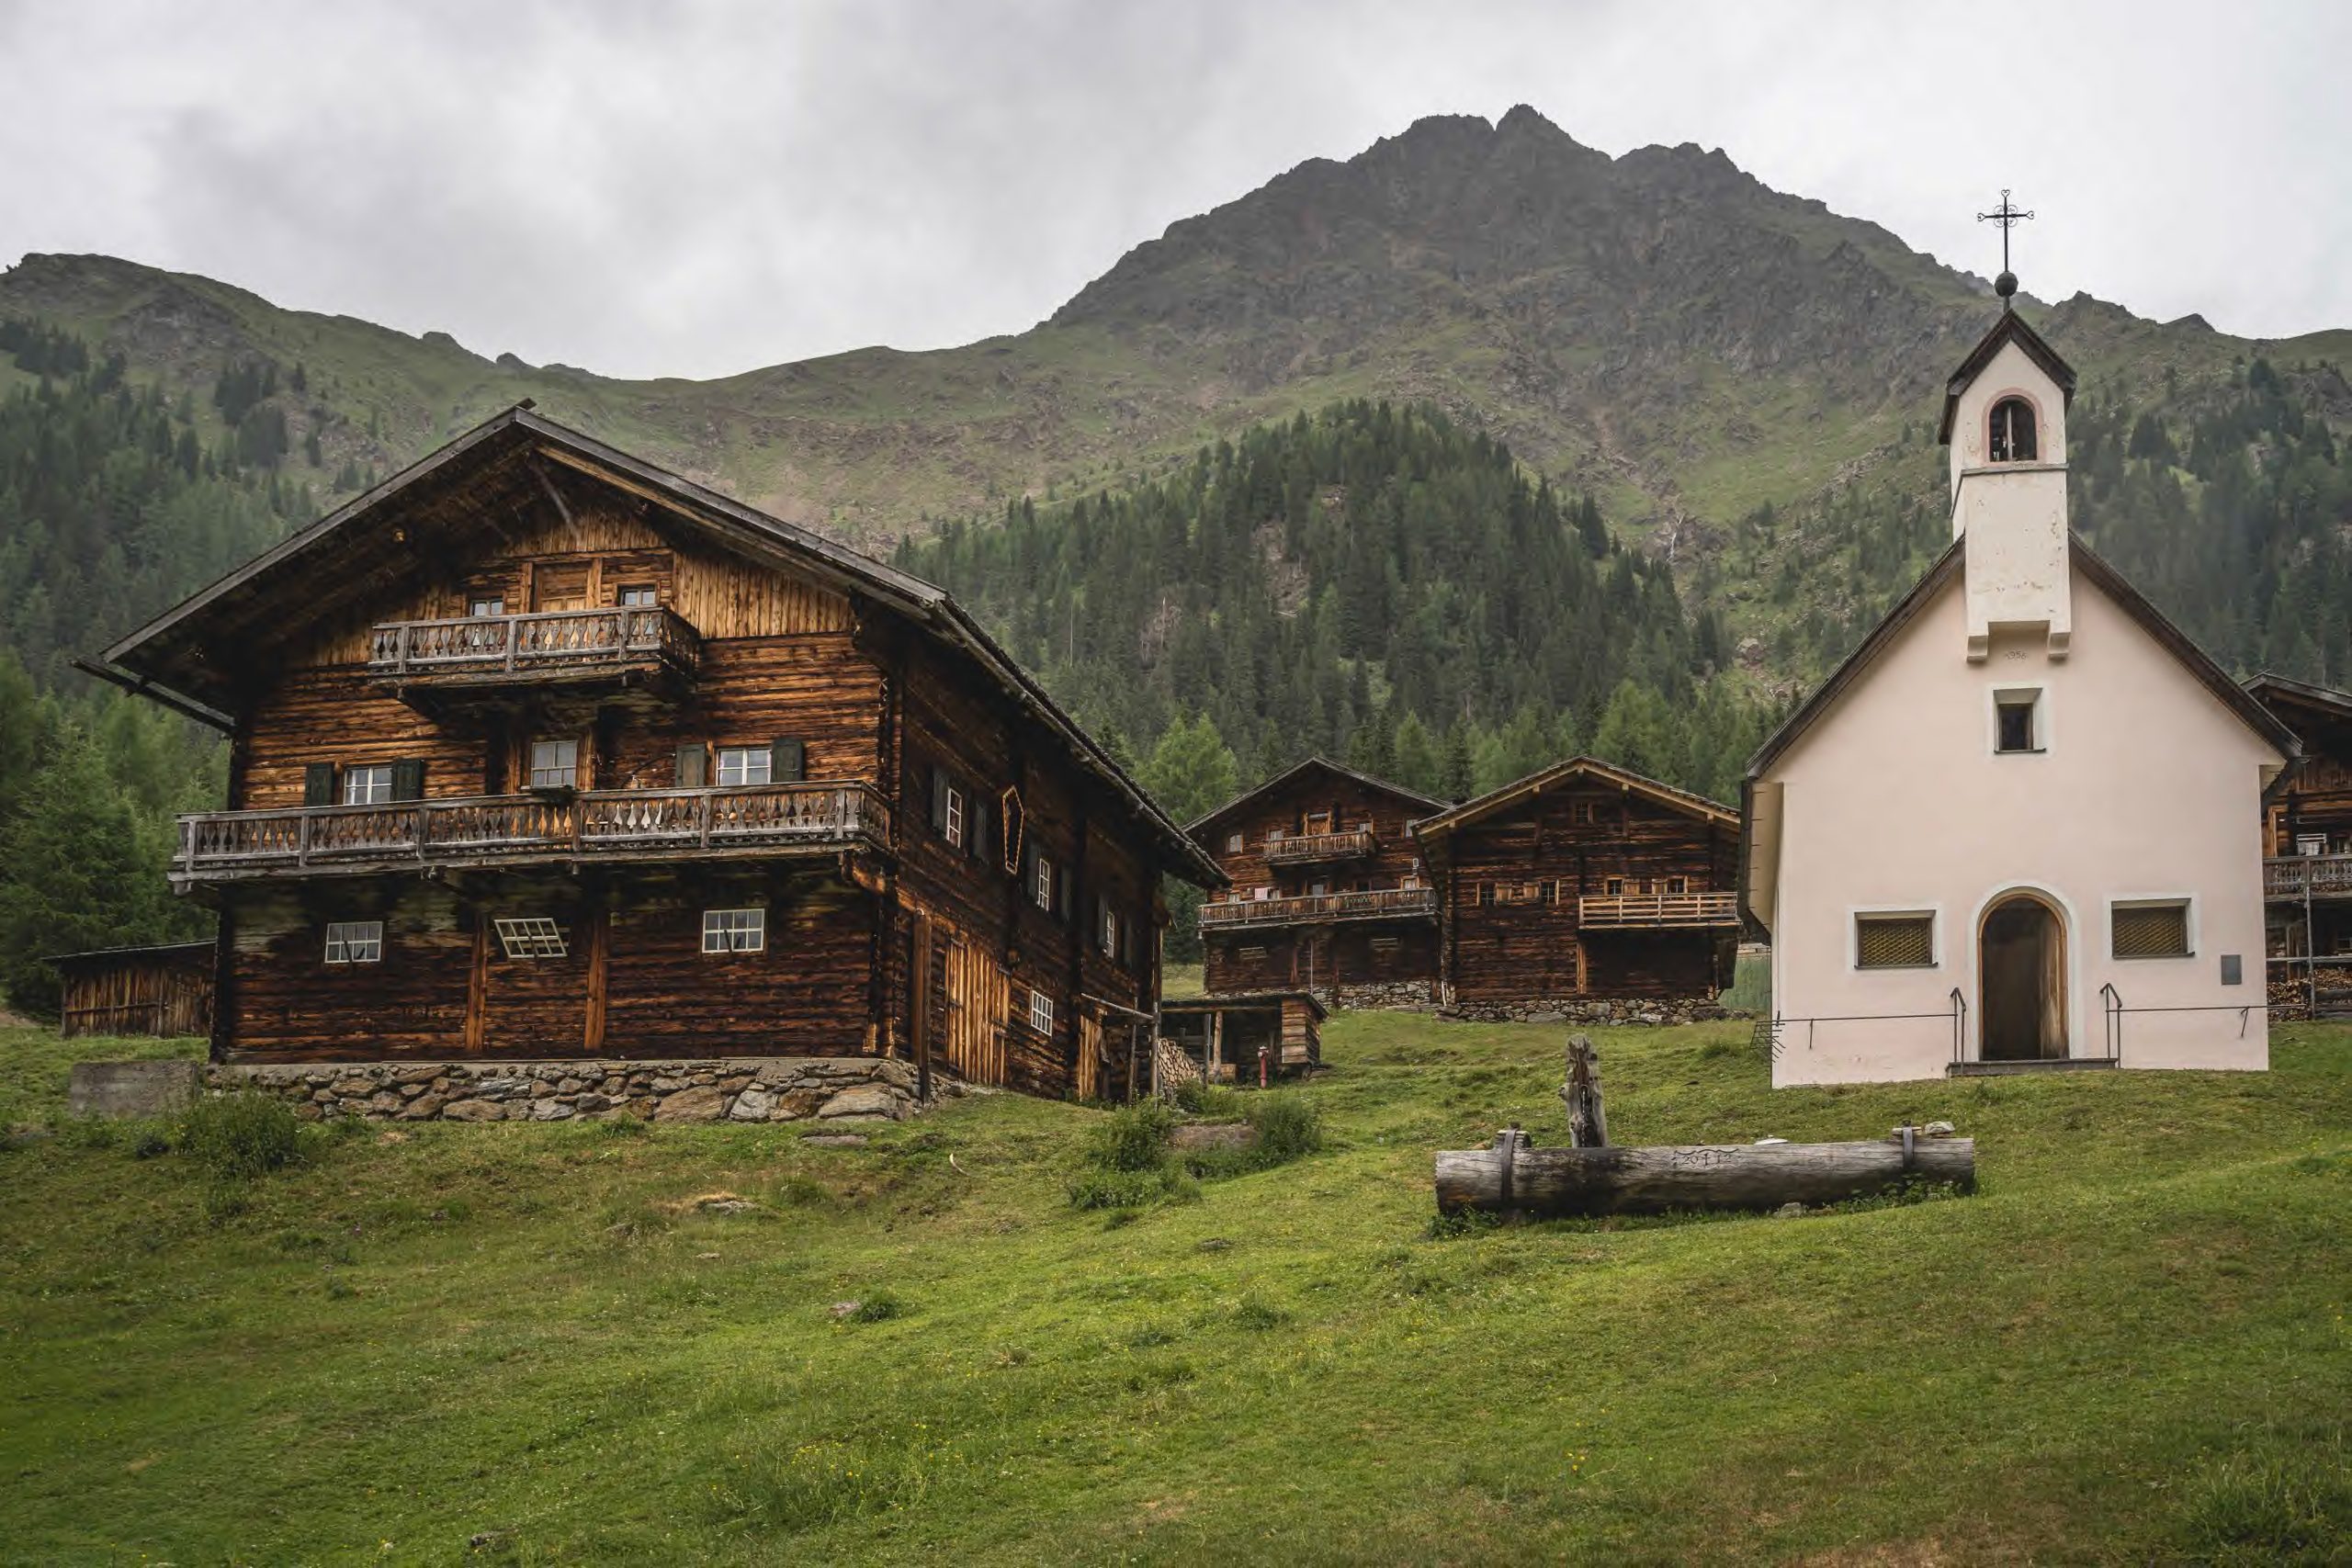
x=2008 y=216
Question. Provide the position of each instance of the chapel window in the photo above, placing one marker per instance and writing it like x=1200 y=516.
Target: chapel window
x=2013 y=430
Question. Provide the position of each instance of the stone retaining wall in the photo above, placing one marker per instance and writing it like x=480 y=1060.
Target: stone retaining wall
x=1395 y=994
x=1593 y=1011
x=766 y=1088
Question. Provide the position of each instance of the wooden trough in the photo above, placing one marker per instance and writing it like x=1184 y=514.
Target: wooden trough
x=1597 y=1178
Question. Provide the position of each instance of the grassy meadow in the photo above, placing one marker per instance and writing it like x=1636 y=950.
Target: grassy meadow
x=446 y=1344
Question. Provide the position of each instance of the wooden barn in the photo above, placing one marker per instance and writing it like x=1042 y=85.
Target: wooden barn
x=541 y=751
x=1585 y=890
x=165 y=991
x=2307 y=849
x=1253 y=1039
x=1328 y=890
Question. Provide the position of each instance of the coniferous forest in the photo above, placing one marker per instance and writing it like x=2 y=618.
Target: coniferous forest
x=1381 y=582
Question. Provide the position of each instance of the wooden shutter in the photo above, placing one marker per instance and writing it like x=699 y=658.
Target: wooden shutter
x=1061 y=895
x=693 y=767
x=318 y=783
x=1029 y=873
x=788 y=761
x=975 y=829
x=408 y=779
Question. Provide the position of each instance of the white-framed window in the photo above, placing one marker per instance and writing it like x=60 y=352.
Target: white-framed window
x=1041 y=890
x=485 y=605
x=530 y=936
x=745 y=765
x=638 y=596
x=1261 y=892
x=2311 y=843
x=955 y=827
x=2151 y=927
x=734 y=930
x=1234 y=843
x=354 y=941
x=554 y=764
x=367 y=786
x=1894 y=939
x=1110 y=931
x=2021 y=721
x=1041 y=1012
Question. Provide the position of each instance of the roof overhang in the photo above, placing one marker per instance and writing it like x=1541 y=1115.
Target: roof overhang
x=2010 y=329
x=1537 y=783
x=1323 y=764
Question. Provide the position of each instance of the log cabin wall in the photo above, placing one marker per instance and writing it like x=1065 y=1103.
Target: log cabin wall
x=1332 y=956
x=978 y=881
x=1511 y=883
x=2317 y=799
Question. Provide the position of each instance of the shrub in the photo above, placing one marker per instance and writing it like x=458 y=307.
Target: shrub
x=878 y=1306
x=1132 y=1189
x=1134 y=1137
x=1288 y=1128
x=237 y=1136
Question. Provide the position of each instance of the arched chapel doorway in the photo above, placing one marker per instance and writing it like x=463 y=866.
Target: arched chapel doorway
x=2021 y=980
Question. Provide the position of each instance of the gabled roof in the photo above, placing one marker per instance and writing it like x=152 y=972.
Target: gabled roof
x=1325 y=764
x=190 y=656
x=2010 y=329
x=1536 y=782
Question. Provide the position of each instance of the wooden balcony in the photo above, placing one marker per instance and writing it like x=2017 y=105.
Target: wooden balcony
x=623 y=646
x=2295 y=877
x=744 y=822
x=1658 y=911
x=1379 y=903
x=1318 y=849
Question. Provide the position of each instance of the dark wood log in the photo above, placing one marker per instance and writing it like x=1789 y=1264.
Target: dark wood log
x=1512 y=1177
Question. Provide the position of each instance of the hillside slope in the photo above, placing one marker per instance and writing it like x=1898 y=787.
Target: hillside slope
x=532 y=1344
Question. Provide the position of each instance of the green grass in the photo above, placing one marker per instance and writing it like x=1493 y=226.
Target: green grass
x=2130 y=1347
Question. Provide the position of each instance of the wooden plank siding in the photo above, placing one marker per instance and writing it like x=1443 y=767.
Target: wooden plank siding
x=148 y=990
x=1321 y=799
x=1511 y=883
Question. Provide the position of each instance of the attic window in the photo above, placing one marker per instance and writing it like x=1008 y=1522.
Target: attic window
x=2017 y=721
x=2012 y=431
x=530 y=936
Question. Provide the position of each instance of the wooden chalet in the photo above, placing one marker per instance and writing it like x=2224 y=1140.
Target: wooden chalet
x=1584 y=889
x=2307 y=850
x=1328 y=890
x=165 y=991
x=541 y=751
x=1247 y=1038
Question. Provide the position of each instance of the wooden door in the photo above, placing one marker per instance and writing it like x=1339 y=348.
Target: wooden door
x=1089 y=1055
x=560 y=585
x=979 y=1000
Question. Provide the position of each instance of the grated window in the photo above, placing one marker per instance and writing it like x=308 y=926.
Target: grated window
x=1895 y=942
x=2152 y=931
x=734 y=930
x=354 y=941
x=531 y=936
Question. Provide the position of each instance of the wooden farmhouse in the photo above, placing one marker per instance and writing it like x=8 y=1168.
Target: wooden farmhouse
x=1329 y=893
x=2307 y=846
x=539 y=751
x=1588 y=891
x=164 y=990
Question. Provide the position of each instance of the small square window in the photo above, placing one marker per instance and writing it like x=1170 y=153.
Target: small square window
x=1895 y=942
x=555 y=764
x=2017 y=721
x=744 y=765
x=354 y=941
x=1233 y=843
x=637 y=596
x=366 y=786
x=2156 y=929
x=734 y=930
x=1614 y=886
x=485 y=605
x=531 y=936
x=1678 y=885
x=1041 y=1012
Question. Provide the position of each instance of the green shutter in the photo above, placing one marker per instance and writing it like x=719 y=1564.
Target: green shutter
x=693 y=767
x=408 y=779
x=788 y=761
x=318 y=783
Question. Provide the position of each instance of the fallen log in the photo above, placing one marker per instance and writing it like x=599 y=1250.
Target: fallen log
x=1513 y=1178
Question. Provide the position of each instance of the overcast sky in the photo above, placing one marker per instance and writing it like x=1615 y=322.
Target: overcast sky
x=696 y=189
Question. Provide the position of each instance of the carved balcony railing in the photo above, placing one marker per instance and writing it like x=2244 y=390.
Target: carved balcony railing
x=1657 y=910
x=1378 y=904
x=2317 y=876
x=487 y=830
x=1312 y=848
x=548 y=645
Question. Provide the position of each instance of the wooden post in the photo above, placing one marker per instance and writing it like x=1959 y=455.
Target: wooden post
x=1588 y=1124
x=600 y=926
x=919 y=1024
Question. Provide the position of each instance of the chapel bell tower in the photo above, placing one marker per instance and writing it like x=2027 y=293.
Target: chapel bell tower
x=2005 y=421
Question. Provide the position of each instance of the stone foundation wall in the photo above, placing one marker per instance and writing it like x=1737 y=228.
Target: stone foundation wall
x=1593 y=1011
x=1398 y=995
x=787 y=1089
